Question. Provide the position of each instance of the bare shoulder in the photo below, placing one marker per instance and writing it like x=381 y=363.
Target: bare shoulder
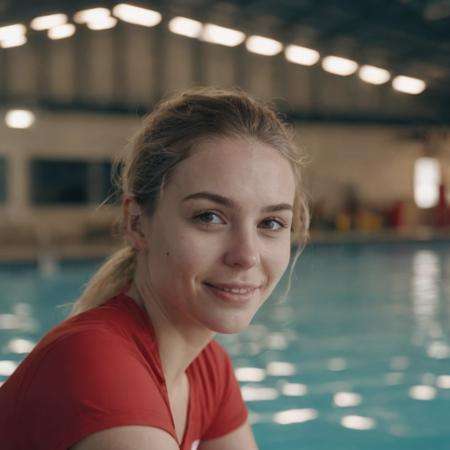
x=240 y=438
x=130 y=437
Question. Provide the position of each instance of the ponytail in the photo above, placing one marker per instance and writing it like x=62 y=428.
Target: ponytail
x=115 y=273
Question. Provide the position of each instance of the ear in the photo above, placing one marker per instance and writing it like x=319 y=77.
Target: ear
x=133 y=223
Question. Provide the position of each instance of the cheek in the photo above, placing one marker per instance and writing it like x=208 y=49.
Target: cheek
x=277 y=260
x=184 y=254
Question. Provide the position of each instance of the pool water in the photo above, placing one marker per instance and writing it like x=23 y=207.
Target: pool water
x=358 y=357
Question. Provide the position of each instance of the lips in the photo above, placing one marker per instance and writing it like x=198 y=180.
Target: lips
x=233 y=297
x=234 y=287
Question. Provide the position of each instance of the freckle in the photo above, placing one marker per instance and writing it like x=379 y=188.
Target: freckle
x=167 y=253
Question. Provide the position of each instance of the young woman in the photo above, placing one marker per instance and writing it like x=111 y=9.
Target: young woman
x=212 y=203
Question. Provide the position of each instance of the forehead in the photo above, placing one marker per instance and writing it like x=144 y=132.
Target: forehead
x=244 y=169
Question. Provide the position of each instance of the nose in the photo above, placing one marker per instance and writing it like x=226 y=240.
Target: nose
x=243 y=250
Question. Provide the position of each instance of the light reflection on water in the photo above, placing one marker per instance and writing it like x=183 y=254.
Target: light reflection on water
x=425 y=296
x=358 y=357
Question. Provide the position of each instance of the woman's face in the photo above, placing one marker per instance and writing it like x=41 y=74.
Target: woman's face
x=214 y=226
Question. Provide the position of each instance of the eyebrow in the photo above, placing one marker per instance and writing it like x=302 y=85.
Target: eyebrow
x=231 y=204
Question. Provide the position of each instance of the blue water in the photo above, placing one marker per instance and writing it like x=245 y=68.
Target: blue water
x=358 y=357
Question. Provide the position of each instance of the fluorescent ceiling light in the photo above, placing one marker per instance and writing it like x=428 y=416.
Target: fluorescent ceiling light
x=263 y=46
x=61 y=31
x=12 y=31
x=185 y=27
x=45 y=22
x=373 y=75
x=19 y=118
x=408 y=85
x=14 y=41
x=103 y=23
x=221 y=35
x=136 y=15
x=339 y=66
x=90 y=15
x=301 y=55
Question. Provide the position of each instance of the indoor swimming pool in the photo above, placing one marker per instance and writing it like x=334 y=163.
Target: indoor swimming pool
x=357 y=358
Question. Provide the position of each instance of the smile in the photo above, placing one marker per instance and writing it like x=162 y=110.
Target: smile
x=232 y=295
x=234 y=290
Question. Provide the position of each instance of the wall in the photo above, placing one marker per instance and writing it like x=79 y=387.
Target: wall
x=378 y=161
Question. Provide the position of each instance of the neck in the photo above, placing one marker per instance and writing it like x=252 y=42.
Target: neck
x=178 y=344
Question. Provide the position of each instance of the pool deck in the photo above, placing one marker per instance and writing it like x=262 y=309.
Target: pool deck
x=15 y=252
x=33 y=254
x=422 y=234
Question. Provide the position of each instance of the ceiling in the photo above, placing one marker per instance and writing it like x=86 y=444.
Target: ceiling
x=407 y=36
x=411 y=37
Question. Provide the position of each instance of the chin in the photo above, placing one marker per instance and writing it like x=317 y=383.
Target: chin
x=232 y=330
x=230 y=326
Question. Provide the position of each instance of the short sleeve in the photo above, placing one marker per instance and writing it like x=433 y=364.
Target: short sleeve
x=86 y=382
x=232 y=411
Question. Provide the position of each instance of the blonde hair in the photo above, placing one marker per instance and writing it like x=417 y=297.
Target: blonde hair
x=167 y=136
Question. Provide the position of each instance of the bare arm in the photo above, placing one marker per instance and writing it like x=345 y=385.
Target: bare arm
x=241 y=438
x=130 y=437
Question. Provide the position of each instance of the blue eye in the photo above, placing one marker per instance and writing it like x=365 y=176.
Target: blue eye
x=205 y=219
x=280 y=224
x=200 y=217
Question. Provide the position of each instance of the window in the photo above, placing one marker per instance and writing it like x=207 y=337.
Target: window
x=108 y=190
x=427 y=178
x=100 y=183
x=58 y=181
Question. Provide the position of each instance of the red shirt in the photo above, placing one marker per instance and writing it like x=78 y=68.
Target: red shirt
x=101 y=369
